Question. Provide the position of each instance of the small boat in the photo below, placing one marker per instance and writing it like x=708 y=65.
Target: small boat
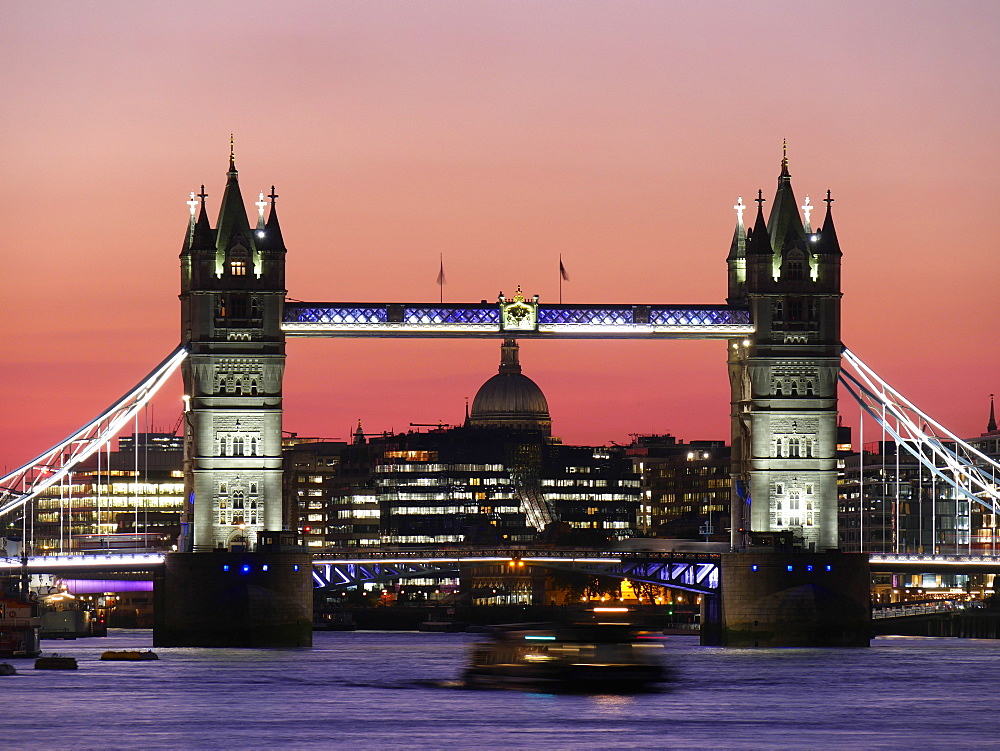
x=55 y=662
x=130 y=655
x=7 y=669
x=593 y=657
x=334 y=621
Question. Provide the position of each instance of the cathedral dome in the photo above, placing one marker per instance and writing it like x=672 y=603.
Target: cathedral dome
x=510 y=399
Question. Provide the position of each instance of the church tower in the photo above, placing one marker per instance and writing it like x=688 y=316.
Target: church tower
x=784 y=378
x=232 y=297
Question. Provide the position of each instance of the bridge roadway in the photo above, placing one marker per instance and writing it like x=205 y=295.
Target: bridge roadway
x=691 y=570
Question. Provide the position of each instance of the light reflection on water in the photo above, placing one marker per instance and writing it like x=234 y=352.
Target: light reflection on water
x=367 y=690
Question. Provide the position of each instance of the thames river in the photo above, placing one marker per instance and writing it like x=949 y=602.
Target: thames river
x=374 y=690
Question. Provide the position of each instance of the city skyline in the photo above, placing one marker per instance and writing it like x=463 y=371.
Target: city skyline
x=500 y=139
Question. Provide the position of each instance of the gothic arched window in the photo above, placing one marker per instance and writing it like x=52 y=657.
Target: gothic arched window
x=795 y=309
x=238 y=446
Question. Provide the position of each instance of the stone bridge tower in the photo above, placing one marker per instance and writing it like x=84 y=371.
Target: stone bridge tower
x=784 y=378
x=232 y=297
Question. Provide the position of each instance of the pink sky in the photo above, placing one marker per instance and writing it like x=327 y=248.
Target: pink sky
x=618 y=134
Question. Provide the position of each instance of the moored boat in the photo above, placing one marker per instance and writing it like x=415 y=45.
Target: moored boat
x=55 y=662
x=584 y=657
x=7 y=669
x=130 y=655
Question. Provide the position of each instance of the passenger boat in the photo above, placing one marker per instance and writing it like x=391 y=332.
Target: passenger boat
x=582 y=657
x=130 y=655
x=55 y=662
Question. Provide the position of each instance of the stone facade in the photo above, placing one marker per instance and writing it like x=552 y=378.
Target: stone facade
x=784 y=378
x=232 y=296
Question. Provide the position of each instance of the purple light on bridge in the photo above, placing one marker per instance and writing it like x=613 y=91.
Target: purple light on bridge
x=96 y=586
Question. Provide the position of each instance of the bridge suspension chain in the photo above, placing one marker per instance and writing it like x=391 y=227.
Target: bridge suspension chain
x=962 y=466
x=24 y=483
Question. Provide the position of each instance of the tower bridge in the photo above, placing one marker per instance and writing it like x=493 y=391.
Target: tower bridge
x=781 y=319
x=781 y=322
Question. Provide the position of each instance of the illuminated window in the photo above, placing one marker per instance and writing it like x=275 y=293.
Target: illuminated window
x=238 y=268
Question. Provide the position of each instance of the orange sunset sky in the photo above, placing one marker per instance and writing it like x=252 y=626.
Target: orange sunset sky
x=501 y=135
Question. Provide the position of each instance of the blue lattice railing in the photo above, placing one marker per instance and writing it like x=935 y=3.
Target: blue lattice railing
x=388 y=318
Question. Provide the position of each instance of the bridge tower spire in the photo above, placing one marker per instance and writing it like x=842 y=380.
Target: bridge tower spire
x=784 y=378
x=232 y=296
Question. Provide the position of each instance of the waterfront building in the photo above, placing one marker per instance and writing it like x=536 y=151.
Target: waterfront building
x=890 y=502
x=685 y=486
x=126 y=500
x=311 y=468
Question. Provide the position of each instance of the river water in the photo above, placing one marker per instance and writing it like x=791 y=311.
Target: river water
x=375 y=690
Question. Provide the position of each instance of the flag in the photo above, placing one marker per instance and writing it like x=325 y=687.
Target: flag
x=562 y=270
x=440 y=279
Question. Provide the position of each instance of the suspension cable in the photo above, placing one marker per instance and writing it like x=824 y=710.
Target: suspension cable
x=26 y=482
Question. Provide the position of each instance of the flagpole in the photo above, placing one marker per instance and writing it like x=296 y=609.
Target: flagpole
x=560 y=278
x=441 y=277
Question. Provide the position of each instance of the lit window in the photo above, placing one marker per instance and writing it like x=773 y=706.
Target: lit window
x=238 y=268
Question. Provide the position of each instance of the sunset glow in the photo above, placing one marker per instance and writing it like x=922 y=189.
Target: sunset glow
x=499 y=138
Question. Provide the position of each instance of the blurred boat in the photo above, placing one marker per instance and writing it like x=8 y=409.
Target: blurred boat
x=7 y=669
x=593 y=657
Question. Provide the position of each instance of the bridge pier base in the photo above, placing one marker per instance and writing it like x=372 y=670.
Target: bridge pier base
x=790 y=599
x=225 y=599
